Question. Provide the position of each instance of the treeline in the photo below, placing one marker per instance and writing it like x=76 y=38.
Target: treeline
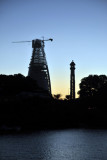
x=24 y=104
x=93 y=91
x=15 y=84
x=93 y=85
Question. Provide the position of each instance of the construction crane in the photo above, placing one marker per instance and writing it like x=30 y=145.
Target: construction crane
x=50 y=39
x=38 y=67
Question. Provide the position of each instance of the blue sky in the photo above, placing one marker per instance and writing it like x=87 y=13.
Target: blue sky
x=78 y=29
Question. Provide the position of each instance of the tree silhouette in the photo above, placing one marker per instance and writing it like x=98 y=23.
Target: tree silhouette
x=67 y=97
x=91 y=85
x=57 y=96
x=15 y=84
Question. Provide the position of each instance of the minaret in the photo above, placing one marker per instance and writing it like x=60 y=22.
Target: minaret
x=72 y=80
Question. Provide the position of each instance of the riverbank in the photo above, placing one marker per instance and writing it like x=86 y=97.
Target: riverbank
x=34 y=113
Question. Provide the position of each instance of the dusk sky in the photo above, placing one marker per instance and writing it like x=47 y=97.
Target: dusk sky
x=78 y=29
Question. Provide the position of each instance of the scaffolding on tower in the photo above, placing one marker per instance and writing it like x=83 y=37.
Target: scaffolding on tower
x=38 y=67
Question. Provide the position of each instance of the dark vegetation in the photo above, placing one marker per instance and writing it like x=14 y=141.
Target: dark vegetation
x=24 y=105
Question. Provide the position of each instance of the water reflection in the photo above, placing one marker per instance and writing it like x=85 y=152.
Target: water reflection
x=74 y=144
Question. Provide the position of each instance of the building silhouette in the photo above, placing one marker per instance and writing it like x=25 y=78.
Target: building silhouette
x=72 y=80
x=38 y=67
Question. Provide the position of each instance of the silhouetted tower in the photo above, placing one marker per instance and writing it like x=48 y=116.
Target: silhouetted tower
x=72 y=80
x=38 y=68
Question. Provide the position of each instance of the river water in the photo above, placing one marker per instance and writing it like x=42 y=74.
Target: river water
x=69 y=144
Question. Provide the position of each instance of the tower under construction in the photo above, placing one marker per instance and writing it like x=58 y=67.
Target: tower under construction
x=38 y=67
x=72 y=80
